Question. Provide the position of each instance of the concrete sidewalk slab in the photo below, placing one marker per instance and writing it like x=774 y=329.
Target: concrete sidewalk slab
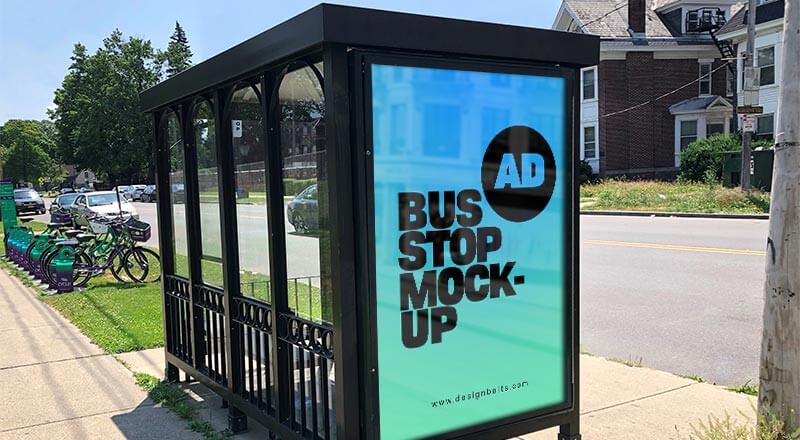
x=618 y=402
x=56 y=384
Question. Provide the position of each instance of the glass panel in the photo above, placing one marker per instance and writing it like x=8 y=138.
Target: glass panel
x=705 y=79
x=588 y=84
x=302 y=135
x=174 y=144
x=714 y=129
x=210 y=233
x=765 y=126
x=589 y=142
x=249 y=156
x=766 y=63
x=688 y=133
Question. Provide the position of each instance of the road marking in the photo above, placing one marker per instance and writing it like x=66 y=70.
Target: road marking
x=672 y=247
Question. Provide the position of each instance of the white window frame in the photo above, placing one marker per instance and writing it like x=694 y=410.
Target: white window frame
x=702 y=81
x=593 y=69
x=773 y=65
x=596 y=142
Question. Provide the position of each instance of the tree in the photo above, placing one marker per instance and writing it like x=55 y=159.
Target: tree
x=97 y=114
x=779 y=380
x=25 y=145
x=178 y=56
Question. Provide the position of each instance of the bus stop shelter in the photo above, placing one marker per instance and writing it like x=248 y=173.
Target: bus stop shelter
x=368 y=226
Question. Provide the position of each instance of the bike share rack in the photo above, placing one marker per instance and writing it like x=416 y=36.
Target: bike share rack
x=429 y=132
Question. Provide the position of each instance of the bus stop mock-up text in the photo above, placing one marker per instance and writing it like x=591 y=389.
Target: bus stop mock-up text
x=428 y=297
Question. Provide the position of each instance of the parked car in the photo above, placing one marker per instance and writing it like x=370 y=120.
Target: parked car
x=178 y=193
x=85 y=190
x=302 y=211
x=59 y=209
x=66 y=190
x=136 y=192
x=149 y=194
x=28 y=200
x=100 y=203
x=124 y=191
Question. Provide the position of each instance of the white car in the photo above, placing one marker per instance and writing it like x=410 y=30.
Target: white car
x=100 y=203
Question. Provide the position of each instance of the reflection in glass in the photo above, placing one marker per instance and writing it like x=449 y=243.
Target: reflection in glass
x=249 y=152
x=174 y=144
x=302 y=137
x=207 y=169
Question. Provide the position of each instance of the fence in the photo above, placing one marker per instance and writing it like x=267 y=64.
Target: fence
x=195 y=326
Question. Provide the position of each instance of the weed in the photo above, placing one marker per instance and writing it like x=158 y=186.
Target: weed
x=746 y=388
x=630 y=362
x=769 y=427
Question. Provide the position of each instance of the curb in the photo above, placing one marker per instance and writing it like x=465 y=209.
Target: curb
x=678 y=214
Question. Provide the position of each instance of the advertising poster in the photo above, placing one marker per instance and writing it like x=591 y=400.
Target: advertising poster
x=470 y=215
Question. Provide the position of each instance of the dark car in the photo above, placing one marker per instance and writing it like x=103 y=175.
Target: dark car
x=149 y=194
x=28 y=200
x=178 y=193
x=302 y=211
x=59 y=209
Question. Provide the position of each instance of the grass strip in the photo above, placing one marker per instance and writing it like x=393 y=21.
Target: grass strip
x=172 y=397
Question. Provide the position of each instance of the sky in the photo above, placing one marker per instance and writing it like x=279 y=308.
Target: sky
x=37 y=36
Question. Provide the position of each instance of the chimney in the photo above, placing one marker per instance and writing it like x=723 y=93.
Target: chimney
x=636 y=17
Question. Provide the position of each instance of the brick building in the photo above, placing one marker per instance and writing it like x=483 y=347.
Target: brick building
x=650 y=53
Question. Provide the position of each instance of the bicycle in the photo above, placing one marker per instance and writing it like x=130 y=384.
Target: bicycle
x=112 y=246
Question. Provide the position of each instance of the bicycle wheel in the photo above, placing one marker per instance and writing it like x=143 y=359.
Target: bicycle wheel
x=82 y=269
x=143 y=265
x=117 y=268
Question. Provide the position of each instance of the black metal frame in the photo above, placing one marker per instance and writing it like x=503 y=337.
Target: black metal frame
x=346 y=39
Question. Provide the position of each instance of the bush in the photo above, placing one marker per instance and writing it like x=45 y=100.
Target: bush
x=585 y=172
x=293 y=187
x=702 y=159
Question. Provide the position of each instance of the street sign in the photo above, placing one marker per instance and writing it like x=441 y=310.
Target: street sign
x=472 y=245
x=748 y=123
x=8 y=209
x=750 y=109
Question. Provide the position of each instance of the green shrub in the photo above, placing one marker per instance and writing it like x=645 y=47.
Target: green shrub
x=703 y=158
x=585 y=172
x=293 y=187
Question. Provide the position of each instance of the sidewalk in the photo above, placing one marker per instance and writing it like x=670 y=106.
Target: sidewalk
x=56 y=384
x=618 y=402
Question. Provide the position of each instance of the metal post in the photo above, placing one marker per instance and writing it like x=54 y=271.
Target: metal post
x=191 y=202
x=237 y=421
x=747 y=136
x=342 y=237
x=277 y=245
x=165 y=234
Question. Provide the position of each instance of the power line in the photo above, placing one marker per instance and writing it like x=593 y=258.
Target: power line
x=622 y=5
x=666 y=94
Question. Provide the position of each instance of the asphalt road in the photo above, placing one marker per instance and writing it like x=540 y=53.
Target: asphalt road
x=681 y=295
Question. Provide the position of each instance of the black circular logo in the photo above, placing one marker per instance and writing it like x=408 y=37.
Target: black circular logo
x=518 y=173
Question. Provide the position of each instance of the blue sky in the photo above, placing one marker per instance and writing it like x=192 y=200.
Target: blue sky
x=36 y=37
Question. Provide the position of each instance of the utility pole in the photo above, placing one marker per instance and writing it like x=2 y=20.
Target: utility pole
x=779 y=391
x=747 y=136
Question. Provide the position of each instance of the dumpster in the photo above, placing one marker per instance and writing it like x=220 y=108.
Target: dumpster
x=760 y=169
x=404 y=262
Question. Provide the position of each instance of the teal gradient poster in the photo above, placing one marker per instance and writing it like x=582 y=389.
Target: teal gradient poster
x=469 y=216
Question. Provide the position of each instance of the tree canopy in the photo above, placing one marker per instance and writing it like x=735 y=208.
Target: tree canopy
x=97 y=116
x=25 y=151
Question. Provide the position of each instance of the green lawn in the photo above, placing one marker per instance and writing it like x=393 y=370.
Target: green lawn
x=118 y=317
x=671 y=197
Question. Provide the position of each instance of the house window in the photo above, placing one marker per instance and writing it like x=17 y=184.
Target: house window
x=705 y=78
x=765 y=127
x=688 y=133
x=589 y=142
x=766 y=64
x=588 y=84
x=715 y=128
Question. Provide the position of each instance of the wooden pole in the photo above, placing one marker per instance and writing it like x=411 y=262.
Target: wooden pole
x=779 y=391
x=747 y=136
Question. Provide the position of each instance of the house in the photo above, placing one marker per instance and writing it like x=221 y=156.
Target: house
x=767 y=58
x=662 y=81
x=77 y=178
